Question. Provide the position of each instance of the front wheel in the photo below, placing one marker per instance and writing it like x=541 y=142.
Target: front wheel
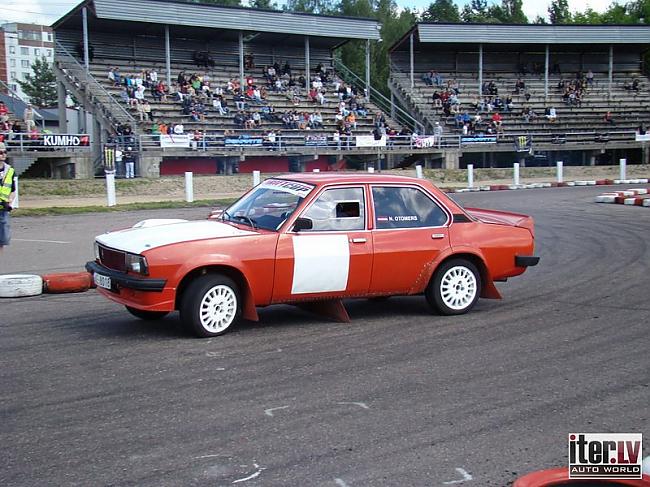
x=454 y=288
x=210 y=305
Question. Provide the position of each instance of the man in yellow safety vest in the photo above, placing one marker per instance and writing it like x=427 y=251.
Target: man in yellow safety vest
x=7 y=194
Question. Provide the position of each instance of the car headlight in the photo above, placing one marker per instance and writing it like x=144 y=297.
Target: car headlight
x=97 y=256
x=137 y=263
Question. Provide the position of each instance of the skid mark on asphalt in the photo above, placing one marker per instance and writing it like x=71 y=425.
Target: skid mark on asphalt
x=340 y=483
x=250 y=477
x=40 y=241
x=360 y=404
x=269 y=411
x=465 y=478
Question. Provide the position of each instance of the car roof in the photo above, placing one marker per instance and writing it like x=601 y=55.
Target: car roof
x=322 y=178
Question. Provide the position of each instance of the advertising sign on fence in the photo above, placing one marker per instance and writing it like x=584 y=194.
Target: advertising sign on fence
x=422 y=142
x=370 y=141
x=243 y=141
x=66 y=140
x=642 y=138
x=478 y=139
x=174 y=140
x=316 y=140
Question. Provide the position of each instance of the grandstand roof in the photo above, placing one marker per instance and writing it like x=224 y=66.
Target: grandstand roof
x=447 y=33
x=184 y=13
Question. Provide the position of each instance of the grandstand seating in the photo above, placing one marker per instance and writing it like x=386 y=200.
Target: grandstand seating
x=629 y=108
x=170 y=111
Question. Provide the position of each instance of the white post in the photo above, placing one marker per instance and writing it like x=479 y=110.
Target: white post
x=256 y=178
x=470 y=175
x=622 y=163
x=418 y=171
x=16 y=202
x=316 y=170
x=371 y=169
x=516 y=171
x=560 y=174
x=110 y=188
x=189 y=187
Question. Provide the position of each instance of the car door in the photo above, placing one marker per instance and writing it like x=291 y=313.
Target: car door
x=410 y=230
x=334 y=257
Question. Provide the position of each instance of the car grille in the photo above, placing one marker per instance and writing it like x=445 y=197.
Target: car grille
x=112 y=259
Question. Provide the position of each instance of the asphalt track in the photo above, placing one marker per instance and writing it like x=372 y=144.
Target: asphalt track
x=399 y=397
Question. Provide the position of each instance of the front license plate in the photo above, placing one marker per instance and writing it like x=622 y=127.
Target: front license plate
x=102 y=281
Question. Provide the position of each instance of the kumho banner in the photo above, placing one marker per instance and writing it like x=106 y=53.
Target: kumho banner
x=370 y=141
x=66 y=140
x=174 y=140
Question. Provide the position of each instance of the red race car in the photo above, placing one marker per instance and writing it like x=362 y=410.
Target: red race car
x=312 y=240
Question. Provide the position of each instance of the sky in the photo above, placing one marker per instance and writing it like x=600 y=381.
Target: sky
x=48 y=11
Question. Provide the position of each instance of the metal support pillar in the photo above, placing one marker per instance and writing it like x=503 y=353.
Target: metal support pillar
x=168 y=57
x=392 y=105
x=546 y=59
x=480 y=70
x=411 y=59
x=241 y=61
x=611 y=68
x=63 y=115
x=368 y=68
x=307 y=64
x=84 y=13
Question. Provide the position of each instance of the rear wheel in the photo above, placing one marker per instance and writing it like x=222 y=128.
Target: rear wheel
x=454 y=288
x=210 y=305
x=146 y=315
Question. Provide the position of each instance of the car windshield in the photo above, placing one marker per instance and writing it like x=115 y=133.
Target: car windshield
x=269 y=205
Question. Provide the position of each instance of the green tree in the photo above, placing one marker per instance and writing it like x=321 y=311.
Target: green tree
x=558 y=12
x=267 y=4
x=310 y=6
x=512 y=12
x=589 y=16
x=476 y=12
x=441 y=11
x=40 y=85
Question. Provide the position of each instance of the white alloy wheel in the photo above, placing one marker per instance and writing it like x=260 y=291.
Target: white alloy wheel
x=210 y=305
x=455 y=287
x=18 y=285
x=218 y=308
x=458 y=288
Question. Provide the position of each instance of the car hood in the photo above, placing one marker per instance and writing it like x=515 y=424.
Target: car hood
x=147 y=237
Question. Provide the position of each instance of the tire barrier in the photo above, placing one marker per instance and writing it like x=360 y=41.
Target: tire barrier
x=630 y=197
x=19 y=285
x=67 y=282
x=554 y=184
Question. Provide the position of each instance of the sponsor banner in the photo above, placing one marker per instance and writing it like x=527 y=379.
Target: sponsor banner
x=642 y=138
x=243 y=141
x=316 y=140
x=293 y=187
x=523 y=143
x=478 y=139
x=369 y=141
x=423 y=142
x=605 y=455
x=66 y=140
x=174 y=140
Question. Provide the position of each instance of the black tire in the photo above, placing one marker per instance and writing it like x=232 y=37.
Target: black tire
x=211 y=305
x=146 y=315
x=454 y=288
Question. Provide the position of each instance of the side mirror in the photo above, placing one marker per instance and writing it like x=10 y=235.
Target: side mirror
x=302 y=224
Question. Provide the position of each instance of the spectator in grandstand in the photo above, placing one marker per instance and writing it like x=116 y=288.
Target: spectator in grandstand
x=520 y=86
x=641 y=129
x=179 y=129
x=28 y=117
x=129 y=163
x=428 y=78
x=608 y=118
x=437 y=79
x=435 y=98
x=239 y=119
x=268 y=113
x=352 y=120
x=497 y=121
x=590 y=78
x=550 y=114
x=257 y=119
x=437 y=134
x=634 y=86
x=286 y=70
x=140 y=109
x=217 y=104
x=336 y=139
x=4 y=113
x=453 y=86
x=249 y=61
x=508 y=104
x=240 y=101
x=498 y=103
x=139 y=93
x=269 y=140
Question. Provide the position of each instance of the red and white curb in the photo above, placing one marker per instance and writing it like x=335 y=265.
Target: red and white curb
x=590 y=182
x=632 y=197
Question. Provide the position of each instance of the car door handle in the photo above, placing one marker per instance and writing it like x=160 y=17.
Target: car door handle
x=357 y=240
x=438 y=235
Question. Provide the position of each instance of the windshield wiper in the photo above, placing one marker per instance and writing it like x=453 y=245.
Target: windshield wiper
x=246 y=219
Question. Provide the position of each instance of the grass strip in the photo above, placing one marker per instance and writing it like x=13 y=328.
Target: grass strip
x=149 y=205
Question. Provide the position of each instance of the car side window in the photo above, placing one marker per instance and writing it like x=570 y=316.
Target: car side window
x=339 y=209
x=405 y=207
